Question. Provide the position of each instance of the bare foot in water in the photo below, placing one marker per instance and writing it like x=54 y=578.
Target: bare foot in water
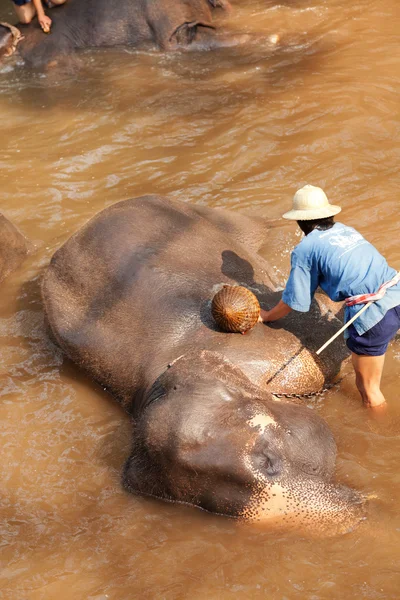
x=378 y=409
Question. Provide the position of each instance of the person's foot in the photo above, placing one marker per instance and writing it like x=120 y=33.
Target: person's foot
x=376 y=401
x=379 y=412
x=380 y=408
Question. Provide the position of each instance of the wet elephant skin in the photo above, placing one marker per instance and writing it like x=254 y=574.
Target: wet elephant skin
x=162 y=24
x=128 y=299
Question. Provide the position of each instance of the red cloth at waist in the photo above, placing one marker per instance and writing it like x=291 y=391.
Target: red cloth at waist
x=364 y=298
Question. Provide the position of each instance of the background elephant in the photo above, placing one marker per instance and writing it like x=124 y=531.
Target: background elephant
x=128 y=299
x=164 y=24
x=13 y=247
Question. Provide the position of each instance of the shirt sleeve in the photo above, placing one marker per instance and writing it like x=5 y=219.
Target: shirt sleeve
x=301 y=285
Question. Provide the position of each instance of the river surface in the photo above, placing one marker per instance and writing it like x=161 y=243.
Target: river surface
x=240 y=128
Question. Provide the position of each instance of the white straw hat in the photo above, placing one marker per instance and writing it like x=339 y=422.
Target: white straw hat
x=310 y=202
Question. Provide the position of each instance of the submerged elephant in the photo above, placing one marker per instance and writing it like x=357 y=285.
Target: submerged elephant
x=163 y=24
x=13 y=247
x=128 y=299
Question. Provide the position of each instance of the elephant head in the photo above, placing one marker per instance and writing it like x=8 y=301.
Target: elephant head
x=209 y=438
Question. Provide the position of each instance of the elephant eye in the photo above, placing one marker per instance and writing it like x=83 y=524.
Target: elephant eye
x=265 y=457
x=311 y=468
x=271 y=466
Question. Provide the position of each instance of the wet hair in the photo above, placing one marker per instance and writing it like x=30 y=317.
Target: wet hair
x=322 y=224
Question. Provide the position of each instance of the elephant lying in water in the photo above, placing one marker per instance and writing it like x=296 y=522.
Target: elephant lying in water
x=163 y=24
x=128 y=299
x=13 y=247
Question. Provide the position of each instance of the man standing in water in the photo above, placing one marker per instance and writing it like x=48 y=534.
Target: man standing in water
x=347 y=267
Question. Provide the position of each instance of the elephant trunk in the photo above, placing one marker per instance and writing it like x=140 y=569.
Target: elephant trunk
x=313 y=505
x=10 y=37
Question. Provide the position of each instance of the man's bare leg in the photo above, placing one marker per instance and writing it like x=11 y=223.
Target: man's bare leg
x=25 y=13
x=368 y=370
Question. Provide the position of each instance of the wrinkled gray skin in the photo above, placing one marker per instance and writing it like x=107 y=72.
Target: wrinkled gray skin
x=78 y=24
x=128 y=299
x=13 y=247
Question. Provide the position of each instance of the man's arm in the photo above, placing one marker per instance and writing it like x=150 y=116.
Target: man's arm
x=278 y=312
x=44 y=20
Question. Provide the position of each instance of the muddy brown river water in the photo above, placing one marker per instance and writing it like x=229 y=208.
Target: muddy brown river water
x=239 y=128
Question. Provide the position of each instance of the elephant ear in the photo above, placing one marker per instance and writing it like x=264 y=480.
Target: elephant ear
x=185 y=34
x=187 y=454
x=220 y=4
x=179 y=23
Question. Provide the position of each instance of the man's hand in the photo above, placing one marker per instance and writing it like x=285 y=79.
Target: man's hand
x=278 y=312
x=45 y=22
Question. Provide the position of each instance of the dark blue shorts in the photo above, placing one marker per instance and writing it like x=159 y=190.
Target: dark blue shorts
x=375 y=341
x=22 y=2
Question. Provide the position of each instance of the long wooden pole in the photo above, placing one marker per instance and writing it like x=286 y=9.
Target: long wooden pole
x=344 y=327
